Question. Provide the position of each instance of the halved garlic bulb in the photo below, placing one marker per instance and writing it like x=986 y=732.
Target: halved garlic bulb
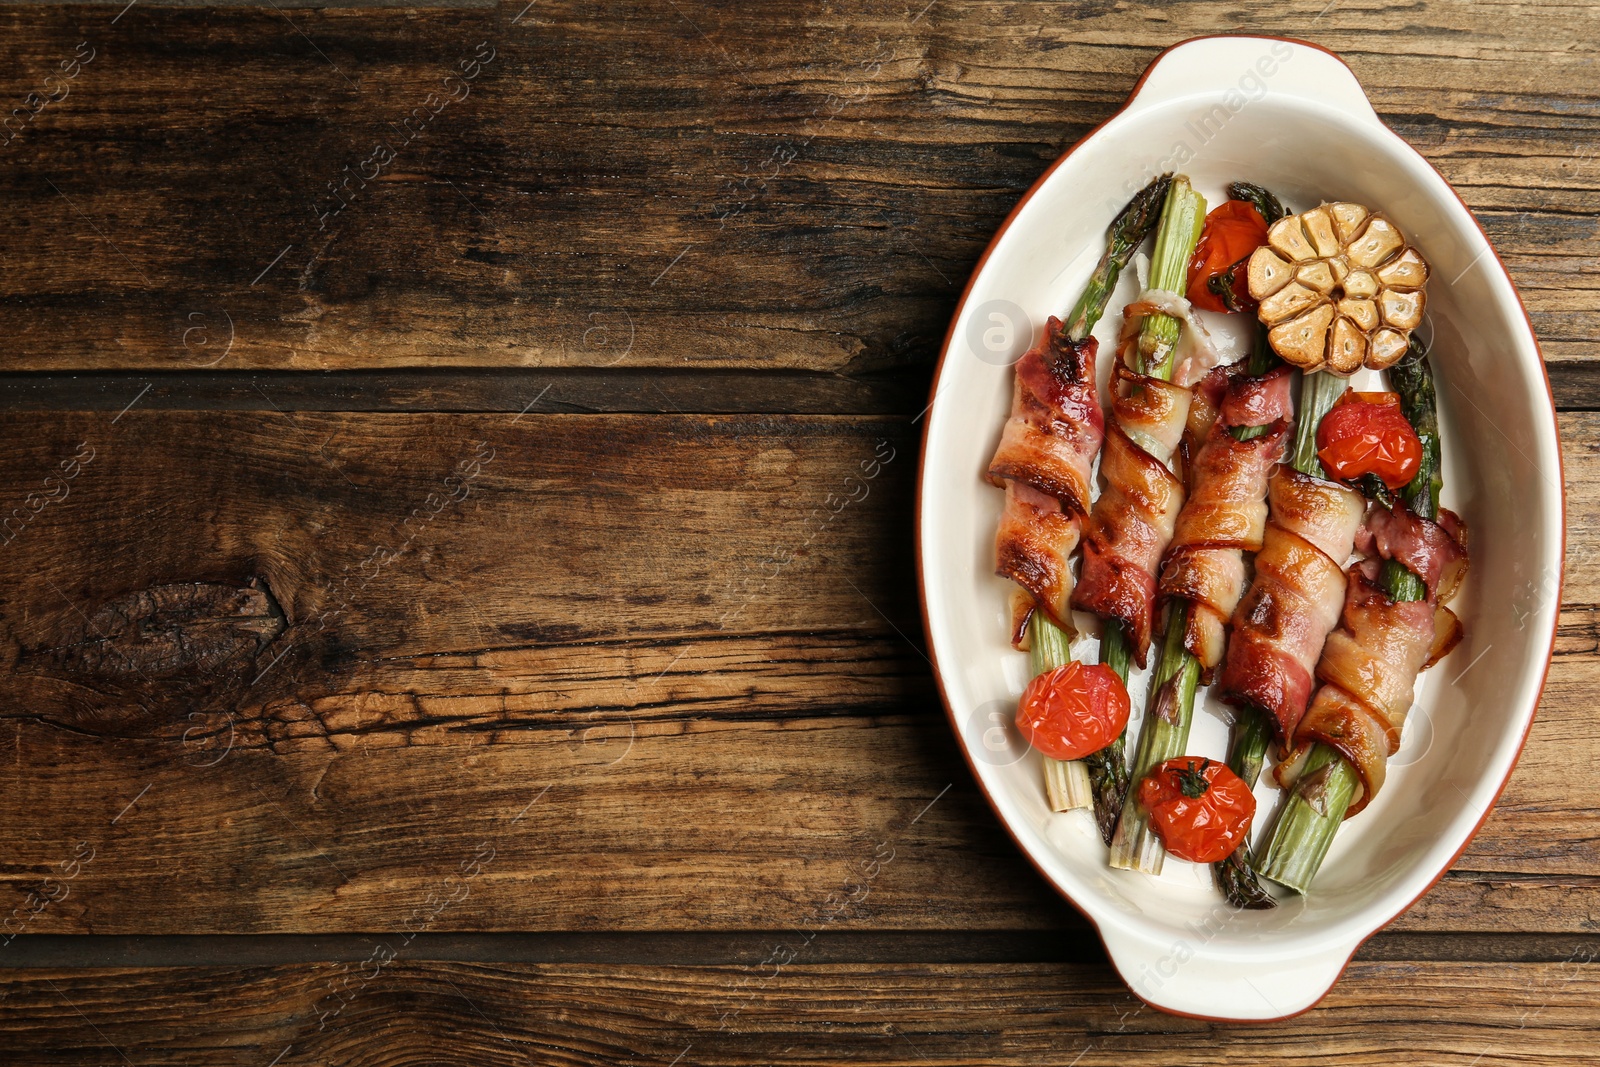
x=1339 y=289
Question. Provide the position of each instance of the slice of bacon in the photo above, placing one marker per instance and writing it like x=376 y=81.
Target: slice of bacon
x=1207 y=401
x=1022 y=609
x=1056 y=425
x=1447 y=634
x=1225 y=514
x=1045 y=462
x=1436 y=552
x=1294 y=601
x=1034 y=548
x=1369 y=669
x=1133 y=520
x=1258 y=401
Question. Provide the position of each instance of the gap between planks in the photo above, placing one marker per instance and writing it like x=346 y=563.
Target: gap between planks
x=734 y=948
x=484 y=390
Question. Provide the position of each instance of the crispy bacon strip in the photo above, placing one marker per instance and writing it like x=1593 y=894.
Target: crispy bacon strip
x=1370 y=664
x=1045 y=462
x=1034 y=548
x=1258 y=401
x=1225 y=514
x=1056 y=425
x=1447 y=634
x=1205 y=405
x=1369 y=669
x=1436 y=552
x=1294 y=600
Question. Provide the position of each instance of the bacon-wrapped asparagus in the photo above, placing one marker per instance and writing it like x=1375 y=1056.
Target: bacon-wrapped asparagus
x=1045 y=462
x=1237 y=432
x=1205 y=579
x=1370 y=664
x=1203 y=576
x=1293 y=602
x=1247 y=750
x=1225 y=515
x=1132 y=520
x=1394 y=624
x=1294 y=599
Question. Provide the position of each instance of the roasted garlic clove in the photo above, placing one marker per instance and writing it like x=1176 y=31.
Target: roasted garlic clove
x=1339 y=288
x=1386 y=349
x=1267 y=273
x=1303 y=341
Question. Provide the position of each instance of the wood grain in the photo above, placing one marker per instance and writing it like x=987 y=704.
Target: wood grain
x=400 y=1011
x=657 y=185
x=595 y=662
x=584 y=697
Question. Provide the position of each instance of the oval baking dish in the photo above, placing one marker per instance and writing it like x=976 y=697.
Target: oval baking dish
x=1292 y=117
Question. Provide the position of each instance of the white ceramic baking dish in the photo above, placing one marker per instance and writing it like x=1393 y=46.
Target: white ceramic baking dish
x=1292 y=117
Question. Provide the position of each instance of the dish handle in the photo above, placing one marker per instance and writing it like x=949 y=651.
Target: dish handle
x=1245 y=69
x=1179 y=975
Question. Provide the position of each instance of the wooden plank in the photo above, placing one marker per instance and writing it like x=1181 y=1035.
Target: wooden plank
x=1575 y=386
x=1475 y=900
x=330 y=843
x=397 y=1010
x=595 y=663
x=625 y=513
x=663 y=185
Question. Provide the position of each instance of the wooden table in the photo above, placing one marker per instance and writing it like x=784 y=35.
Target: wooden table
x=405 y=413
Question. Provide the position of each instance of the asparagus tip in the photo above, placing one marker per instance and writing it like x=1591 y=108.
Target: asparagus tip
x=1237 y=878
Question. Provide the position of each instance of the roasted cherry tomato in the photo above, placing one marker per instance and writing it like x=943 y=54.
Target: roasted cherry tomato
x=1201 y=809
x=1073 y=711
x=1367 y=433
x=1232 y=231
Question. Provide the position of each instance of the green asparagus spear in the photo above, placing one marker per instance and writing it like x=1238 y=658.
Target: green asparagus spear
x=1066 y=782
x=1163 y=735
x=1413 y=380
x=1313 y=812
x=1252 y=730
x=1252 y=726
x=1182 y=216
x=1070 y=783
x=1271 y=210
x=1166 y=728
x=1108 y=768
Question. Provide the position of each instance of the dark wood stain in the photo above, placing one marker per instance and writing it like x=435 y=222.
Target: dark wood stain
x=493 y=521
